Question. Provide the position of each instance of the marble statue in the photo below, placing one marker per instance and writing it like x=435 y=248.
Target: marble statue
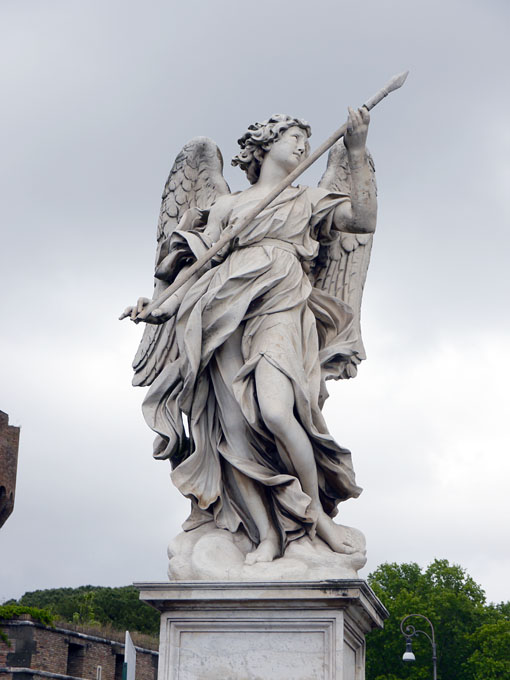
x=237 y=359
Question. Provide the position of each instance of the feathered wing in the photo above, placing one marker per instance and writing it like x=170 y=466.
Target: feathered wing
x=342 y=265
x=193 y=185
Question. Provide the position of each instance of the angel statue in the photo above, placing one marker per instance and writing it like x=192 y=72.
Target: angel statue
x=237 y=358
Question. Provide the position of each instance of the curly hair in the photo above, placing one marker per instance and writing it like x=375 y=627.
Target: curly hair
x=256 y=142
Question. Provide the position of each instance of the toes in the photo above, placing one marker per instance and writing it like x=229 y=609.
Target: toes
x=250 y=559
x=266 y=552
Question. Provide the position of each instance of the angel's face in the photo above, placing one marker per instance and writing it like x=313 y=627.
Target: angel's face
x=290 y=149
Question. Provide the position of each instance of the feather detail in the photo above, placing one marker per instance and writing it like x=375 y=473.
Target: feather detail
x=341 y=268
x=195 y=182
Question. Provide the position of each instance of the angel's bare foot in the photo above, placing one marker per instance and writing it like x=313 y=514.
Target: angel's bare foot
x=335 y=535
x=266 y=551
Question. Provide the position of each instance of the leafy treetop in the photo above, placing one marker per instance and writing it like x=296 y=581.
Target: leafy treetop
x=457 y=607
x=119 y=607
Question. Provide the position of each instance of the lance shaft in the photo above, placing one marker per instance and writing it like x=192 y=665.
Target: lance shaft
x=231 y=232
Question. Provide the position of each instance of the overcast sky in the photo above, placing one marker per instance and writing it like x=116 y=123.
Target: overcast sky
x=98 y=98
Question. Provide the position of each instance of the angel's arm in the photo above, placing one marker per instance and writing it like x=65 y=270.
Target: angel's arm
x=217 y=214
x=211 y=234
x=359 y=214
x=170 y=306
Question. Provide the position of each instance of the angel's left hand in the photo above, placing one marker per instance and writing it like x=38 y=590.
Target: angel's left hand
x=357 y=129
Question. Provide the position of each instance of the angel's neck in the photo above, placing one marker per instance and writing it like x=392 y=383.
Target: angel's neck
x=271 y=174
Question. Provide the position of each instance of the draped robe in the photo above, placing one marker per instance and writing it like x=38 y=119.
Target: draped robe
x=258 y=293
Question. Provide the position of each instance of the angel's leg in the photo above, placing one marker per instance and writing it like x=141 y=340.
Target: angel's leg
x=230 y=358
x=275 y=395
x=269 y=546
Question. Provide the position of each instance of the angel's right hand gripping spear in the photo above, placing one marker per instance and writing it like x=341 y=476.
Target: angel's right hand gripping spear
x=231 y=232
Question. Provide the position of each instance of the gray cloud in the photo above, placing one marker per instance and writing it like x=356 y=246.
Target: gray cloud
x=99 y=98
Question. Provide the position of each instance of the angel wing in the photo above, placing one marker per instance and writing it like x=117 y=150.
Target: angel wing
x=341 y=267
x=193 y=185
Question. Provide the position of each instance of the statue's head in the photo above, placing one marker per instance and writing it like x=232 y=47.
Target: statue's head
x=258 y=140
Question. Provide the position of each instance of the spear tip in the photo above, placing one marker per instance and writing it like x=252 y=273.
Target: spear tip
x=392 y=84
x=397 y=81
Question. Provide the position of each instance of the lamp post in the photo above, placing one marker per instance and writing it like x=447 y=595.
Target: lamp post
x=409 y=632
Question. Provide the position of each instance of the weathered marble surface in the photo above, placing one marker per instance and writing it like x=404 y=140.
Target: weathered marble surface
x=241 y=352
x=208 y=553
x=264 y=630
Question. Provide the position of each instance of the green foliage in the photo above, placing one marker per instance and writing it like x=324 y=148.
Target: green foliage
x=491 y=657
x=504 y=609
x=12 y=611
x=95 y=605
x=454 y=603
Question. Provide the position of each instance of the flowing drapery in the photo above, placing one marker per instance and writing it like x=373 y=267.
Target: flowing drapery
x=259 y=296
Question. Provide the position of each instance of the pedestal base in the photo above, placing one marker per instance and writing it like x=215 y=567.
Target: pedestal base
x=264 y=631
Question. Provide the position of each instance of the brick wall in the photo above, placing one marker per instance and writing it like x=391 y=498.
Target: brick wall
x=49 y=651
x=9 y=441
x=67 y=653
x=4 y=647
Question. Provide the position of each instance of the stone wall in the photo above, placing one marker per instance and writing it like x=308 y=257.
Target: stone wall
x=59 y=652
x=9 y=441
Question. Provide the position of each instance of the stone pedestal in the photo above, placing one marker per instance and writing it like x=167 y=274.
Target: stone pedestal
x=309 y=630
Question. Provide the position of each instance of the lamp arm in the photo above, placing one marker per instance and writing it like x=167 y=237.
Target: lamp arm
x=411 y=631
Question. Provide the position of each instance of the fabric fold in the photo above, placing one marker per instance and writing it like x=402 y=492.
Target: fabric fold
x=260 y=302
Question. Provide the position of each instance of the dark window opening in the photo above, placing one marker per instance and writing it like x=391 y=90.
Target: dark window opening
x=119 y=666
x=75 y=656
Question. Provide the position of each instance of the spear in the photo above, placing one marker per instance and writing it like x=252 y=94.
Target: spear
x=231 y=232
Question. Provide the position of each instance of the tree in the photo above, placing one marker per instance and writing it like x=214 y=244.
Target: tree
x=120 y=607
x=454 y=603
x=491 y=657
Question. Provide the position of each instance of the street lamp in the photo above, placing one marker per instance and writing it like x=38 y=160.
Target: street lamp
x=408 y=655
x=409 y=632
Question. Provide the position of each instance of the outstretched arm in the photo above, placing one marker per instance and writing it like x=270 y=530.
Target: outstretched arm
x=358 y=215
x=170 y=306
